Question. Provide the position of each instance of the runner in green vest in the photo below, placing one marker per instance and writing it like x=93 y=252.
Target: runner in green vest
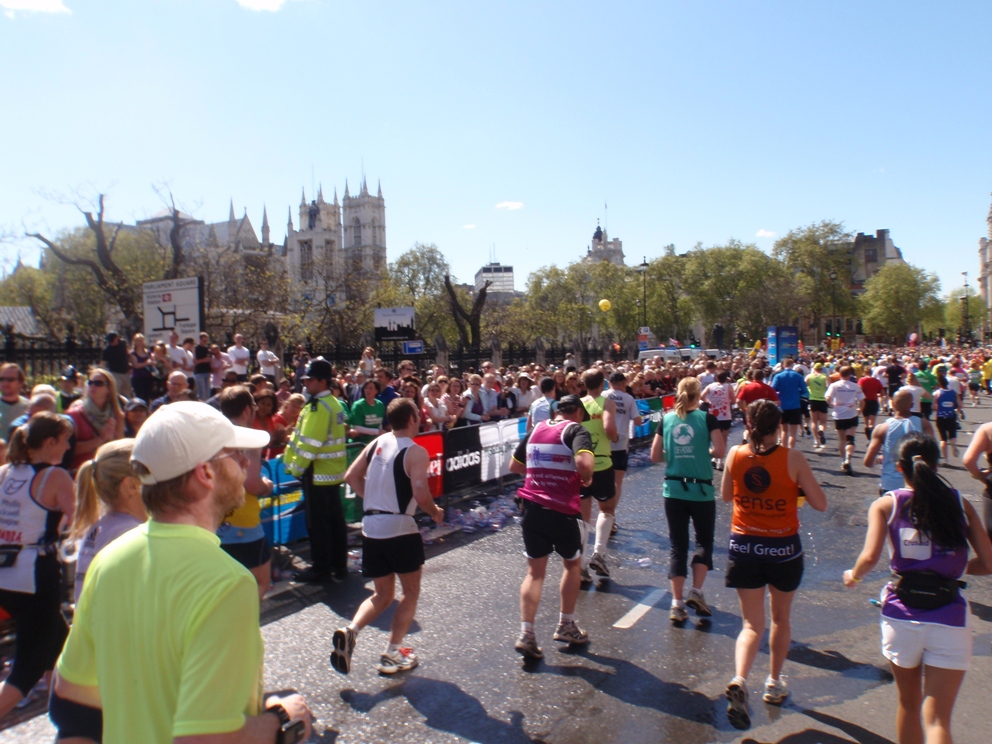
x=816 y=381
x=683 y=441
x=602 y=428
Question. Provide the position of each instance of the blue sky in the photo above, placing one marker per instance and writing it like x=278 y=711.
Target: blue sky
x=694 y=122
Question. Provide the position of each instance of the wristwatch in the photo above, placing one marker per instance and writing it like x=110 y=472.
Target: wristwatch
x=290 y=731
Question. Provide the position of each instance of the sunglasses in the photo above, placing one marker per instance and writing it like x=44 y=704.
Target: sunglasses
x=96 y=383
x=239 y=453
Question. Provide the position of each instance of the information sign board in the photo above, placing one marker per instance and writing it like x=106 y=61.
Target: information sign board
x=173 y=305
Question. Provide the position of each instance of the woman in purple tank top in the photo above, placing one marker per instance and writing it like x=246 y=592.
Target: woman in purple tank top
x=926 y=634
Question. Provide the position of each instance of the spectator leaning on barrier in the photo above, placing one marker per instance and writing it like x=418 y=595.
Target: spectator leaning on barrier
x=316 y=455
x=183 y=661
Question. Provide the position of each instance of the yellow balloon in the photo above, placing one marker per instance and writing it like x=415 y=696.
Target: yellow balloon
x=605 y=305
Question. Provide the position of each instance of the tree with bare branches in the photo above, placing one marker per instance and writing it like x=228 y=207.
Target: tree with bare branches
x=472 y=318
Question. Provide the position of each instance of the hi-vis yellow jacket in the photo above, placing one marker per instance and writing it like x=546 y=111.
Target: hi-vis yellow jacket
x=319 y=439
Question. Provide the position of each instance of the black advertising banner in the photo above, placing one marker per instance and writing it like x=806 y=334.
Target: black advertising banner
x=462 y=458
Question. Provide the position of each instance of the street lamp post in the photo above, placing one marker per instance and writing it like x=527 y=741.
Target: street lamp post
x=643 y=268
x=833 y=301
x=965 y=320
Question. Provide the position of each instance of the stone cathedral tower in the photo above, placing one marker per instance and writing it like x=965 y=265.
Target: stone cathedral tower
x=338 y=249
x=364 y=221
x=984 y=257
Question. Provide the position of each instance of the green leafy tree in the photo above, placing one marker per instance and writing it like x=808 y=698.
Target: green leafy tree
x=953 y=315
x=897 y=299
x=813 y=254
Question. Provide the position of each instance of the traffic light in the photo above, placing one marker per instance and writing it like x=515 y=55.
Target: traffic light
x=830 y=328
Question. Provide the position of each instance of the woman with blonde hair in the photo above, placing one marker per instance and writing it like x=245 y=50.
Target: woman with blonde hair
x=684 y=439
x=108 y=503
x=37 y=497
x=454 y=402
x=98 y=417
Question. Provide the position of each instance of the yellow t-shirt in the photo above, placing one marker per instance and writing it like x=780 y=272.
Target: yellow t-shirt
x=248 y=515
x=167 y=628
x=987 y=370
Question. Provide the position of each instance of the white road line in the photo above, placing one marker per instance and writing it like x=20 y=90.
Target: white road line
x=640 y=609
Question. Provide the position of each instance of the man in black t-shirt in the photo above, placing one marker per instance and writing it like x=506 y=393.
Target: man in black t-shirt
x=201 y=367
x=895 y=373
x=115 y=359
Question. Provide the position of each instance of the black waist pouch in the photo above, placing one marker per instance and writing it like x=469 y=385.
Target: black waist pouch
x=925 y=590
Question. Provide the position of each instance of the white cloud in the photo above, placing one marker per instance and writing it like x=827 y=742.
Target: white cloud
x=269 y=5
x=11 y=7
x=510 y=205
x=468 y=227
x=763 y=233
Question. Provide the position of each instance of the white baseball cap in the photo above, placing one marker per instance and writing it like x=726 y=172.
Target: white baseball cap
x=181 y=435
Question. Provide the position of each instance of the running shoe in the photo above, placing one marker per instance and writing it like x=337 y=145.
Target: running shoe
x=846 y=468
x=737 y=703
x=614 y=529
x=527 y=647
x=678 y=614
x=585 y=576
x=776 y=690
x=598 y=564
x=823 y=439
x=400 y=660
x=808 y=432
x=571 y=633
x=697 y=602
x=344 y=640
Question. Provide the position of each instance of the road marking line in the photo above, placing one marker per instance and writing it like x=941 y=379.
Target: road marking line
x=640 y=609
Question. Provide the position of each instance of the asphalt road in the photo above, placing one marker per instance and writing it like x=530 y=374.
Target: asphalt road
x=645 y=682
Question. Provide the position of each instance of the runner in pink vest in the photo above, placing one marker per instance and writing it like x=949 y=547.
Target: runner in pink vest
x=556 y=459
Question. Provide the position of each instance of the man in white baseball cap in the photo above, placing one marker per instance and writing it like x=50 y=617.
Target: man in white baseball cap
x=166 y=637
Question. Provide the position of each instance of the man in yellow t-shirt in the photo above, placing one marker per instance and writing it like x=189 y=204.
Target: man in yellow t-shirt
x=166 y=637
x=987 y=375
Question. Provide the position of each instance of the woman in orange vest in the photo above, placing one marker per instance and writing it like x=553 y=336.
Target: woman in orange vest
x=764 y=481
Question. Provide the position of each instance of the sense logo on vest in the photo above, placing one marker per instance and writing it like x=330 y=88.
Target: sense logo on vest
x=757 y=479
x=682 y=434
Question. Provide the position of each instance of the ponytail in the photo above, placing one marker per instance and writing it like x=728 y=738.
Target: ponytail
x=87 y=502
x=99 y=480
x=33 y=435
x=688 y=392
x=764 y=417
x=935 y=508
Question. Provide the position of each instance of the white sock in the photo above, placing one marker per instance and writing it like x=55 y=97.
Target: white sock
x=584 y=529
x=352 y=627
x=566 y=617
x=678 y=603
x=391 y=647
x=604 y=523
x=527 y=628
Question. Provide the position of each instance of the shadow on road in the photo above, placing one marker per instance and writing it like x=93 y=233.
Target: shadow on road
x=834 y=661
x=447 y=708
x=633 y=685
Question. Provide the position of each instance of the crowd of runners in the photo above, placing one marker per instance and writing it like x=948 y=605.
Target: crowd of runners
x=160 y=513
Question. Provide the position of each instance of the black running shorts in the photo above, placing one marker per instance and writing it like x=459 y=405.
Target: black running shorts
x=547 y=531
x=724 y=425
x=871 y=408
x=947 y=428
x=250 y=554
x=792 y=417
x=603 y=486
x=818 y=406
x=845 y=424
x=620 y=458
x=393 y=555
x=786 y=577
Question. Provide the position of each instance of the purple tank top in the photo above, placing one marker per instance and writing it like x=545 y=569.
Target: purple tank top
x=552 y=480
x=911 y=551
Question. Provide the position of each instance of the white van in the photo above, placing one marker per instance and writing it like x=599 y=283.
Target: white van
x=670 y=355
